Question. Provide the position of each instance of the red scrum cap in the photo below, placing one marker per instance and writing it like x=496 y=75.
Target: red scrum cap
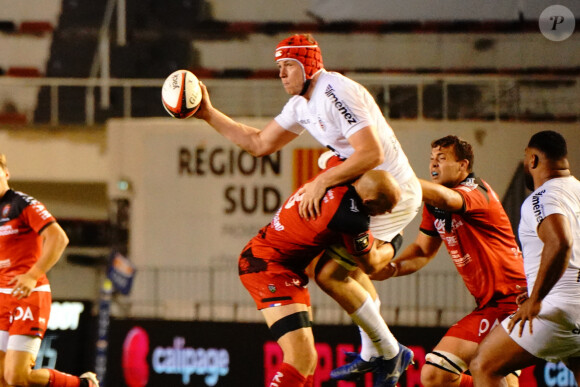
x=303 y=49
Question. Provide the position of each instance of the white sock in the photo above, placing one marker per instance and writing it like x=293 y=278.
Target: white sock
x=376 y=338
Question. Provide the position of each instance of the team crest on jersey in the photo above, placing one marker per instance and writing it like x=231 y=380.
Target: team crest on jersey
x=361 y=242
x=5 y=211
x=272 y=288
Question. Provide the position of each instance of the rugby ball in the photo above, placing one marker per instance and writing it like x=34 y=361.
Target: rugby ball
x=181 y=94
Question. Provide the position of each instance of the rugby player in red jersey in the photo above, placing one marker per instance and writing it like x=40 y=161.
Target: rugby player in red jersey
x=31 y=242
x=272 y=265
x=465 y=213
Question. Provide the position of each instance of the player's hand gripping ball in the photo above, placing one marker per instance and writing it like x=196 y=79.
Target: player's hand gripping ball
x=181 y=94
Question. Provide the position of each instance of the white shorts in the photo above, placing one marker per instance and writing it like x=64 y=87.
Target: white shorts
x=19 y=343
x=385 y=227
x=556 y=335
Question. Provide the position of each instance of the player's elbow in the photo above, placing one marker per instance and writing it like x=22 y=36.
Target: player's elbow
x=376 y=158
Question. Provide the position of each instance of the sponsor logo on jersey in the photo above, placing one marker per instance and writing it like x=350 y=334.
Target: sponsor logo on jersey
x=340 y=105
x=538 y=208
x=8 y=230
x=272 y=288
x=361 y=242
x=460 y=260
x=353 y=206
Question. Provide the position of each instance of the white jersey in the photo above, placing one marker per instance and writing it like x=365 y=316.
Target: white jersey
x=556 y=196
x=338 y=108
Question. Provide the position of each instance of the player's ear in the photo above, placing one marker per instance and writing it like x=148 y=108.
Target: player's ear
x=535 y=161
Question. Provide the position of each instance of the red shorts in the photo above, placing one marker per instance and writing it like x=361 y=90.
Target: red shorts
x=476 y=325
x=276 y=288
x=28 y=316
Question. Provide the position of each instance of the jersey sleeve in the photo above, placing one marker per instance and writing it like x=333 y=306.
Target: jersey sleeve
x=474 y=199
x=548 y=204
x=358 y=244
x=37 y=216
x=350 y=108
x=428 y=223
x=287 y=120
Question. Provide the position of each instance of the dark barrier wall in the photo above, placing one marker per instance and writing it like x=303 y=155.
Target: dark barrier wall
x=168 y=353
x=68 y=344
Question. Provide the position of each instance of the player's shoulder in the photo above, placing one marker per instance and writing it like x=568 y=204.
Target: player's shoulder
x=14 y=203
x=470 y=184
x=24 y=198
x=334 y=84
x=17 y=198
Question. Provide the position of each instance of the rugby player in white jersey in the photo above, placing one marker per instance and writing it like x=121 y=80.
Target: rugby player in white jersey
x=343 y=116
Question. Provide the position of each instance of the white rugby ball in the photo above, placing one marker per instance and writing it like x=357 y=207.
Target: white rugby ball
x=181 y=94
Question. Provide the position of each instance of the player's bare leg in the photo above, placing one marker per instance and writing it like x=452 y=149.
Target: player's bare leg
x=449 y=360
x=297 y=344
x=498 y=355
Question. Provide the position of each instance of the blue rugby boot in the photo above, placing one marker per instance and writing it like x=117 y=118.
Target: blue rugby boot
x=388 y=372
x=356 y=368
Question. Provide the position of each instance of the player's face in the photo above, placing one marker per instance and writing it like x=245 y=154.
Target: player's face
x=4 y=176
x=291 y=75
x=444 y=168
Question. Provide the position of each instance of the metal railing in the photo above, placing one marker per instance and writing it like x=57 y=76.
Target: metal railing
x=216 y=294
x=417 y=97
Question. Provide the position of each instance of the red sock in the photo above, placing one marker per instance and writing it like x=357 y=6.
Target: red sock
x=466 y=381
x=309 y=381
x=60 y=379
x=287 y=376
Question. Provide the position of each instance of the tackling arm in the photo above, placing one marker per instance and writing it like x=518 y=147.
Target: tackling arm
x=413 y=258
x=368 y=154
x=441 y=197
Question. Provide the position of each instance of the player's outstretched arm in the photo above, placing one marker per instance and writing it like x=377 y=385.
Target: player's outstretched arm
x=441 y=197
x=253 y=140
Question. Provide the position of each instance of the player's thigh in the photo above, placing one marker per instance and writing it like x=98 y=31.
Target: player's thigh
x=329 y=271
x=19 y=359
x=499 y=354
x=293 y=331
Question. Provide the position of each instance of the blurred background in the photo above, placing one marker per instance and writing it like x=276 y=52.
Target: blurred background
x=158 y=209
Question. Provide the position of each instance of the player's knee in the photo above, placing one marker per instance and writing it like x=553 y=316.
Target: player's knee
x=442 y=368
x=15 y=378
x=477 y=366
x=303 y=359
x=433 y=377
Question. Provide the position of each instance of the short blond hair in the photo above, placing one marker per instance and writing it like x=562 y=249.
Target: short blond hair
x=2 y=161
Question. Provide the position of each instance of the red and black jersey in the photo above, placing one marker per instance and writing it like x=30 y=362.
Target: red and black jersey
x=22 y=219
x=292 y=242
x=480 y=241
